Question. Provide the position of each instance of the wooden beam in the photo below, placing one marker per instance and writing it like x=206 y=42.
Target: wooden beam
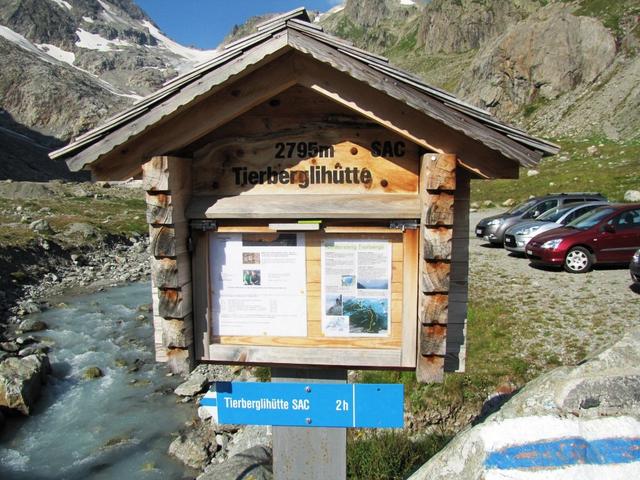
x=381 y=206
x=437 y=243
x=162 y=241
x=163 y=174
x=433 y=340
x=177 y=333
x=434 y=309
x=174 y=303
x=343 y=357
x=437 y=209
x=438 y=171
x=430 y=369
x=159 y=209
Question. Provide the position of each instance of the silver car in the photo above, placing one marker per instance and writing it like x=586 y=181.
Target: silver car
x=517 y=236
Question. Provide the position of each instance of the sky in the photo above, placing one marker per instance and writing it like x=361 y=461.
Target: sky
x=204 y=23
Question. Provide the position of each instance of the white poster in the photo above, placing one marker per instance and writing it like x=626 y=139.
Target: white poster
x=356 y=288
x=258 y=284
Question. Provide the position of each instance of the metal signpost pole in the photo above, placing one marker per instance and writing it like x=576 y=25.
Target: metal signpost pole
x=309 y=453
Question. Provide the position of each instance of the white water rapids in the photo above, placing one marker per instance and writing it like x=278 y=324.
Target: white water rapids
x=115 y=427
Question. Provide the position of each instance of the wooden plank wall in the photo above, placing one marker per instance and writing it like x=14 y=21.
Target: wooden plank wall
x=437 y=188
x=167 y=181
x=459 y=283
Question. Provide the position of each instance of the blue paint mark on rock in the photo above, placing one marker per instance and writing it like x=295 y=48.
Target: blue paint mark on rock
x=566 y=452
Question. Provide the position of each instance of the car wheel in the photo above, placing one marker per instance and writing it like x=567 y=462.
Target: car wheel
x=578 y=260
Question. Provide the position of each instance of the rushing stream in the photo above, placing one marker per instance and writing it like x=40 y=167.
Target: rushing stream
x=115 y=427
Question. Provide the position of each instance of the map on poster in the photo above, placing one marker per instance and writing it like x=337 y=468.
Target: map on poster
x=356 y=288
x=258 y=284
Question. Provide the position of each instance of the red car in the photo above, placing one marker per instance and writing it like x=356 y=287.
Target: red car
x=609 y=234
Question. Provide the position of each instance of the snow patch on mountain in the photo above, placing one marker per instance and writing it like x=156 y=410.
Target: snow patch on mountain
x=93 y=41
x=63 y=4
x=57 y=53
x=193 y=55
x=336 y=9
x=22 y=42
x=88 y=19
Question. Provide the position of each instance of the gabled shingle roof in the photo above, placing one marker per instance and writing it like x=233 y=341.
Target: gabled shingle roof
x=456 y=113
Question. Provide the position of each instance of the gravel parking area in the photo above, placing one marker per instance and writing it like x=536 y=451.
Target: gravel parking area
x=564 y=317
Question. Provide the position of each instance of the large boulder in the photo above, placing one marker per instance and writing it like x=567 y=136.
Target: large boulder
x=550 y=53
x=572 y=423
x=632 y=196
x=200 y=378
x=21 y=380
x=195 y=446
x=254 y=463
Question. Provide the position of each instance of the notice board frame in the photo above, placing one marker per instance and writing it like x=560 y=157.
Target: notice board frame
x=333 y=352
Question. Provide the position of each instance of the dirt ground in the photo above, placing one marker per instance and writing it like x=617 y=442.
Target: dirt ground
x=564 y=316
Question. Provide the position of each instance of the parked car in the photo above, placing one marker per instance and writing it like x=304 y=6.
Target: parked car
x=516 y=237
x=492 y=228
x=608 y=234
x=634 y=267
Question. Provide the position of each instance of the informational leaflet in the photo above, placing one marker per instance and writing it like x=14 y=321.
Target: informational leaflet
x=356 y=288
x=258 y=284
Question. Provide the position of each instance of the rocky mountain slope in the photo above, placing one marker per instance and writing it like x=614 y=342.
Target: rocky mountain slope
x=66 y=65
x=559 y=68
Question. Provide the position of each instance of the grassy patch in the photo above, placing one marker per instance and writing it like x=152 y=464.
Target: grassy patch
x=388 y=455
x=613 y=170
x=112 y=213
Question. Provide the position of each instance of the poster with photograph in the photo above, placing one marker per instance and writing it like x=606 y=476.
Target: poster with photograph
x=258 y=284
x=356 y=288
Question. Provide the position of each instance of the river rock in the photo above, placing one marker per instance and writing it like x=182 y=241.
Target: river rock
x=575 y=415
x=21 y=380
x=31 y=325
x=254 y=463
x=200 y=377
x=34 y=349
x=249 y=437
x=509 y=202
x=91 y=373
x=532 y=173
x=632 y=196
x=10 y=347
x=195 y=446
x=26 y=340
x=28 y=307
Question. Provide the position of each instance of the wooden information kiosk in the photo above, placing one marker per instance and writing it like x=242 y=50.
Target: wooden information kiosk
x=308 y=204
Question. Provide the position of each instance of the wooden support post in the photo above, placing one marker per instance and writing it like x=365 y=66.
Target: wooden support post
x=437 y=184
x=167 y=181
x=310 y=453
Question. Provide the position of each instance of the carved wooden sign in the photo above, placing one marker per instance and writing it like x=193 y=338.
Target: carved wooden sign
x=353 y=162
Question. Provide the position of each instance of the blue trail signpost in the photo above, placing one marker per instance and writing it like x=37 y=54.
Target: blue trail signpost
x=306 y=404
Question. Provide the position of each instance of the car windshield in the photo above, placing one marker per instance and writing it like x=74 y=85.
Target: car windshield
x=554 y=214
x=591 y=218
x=523 y=207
